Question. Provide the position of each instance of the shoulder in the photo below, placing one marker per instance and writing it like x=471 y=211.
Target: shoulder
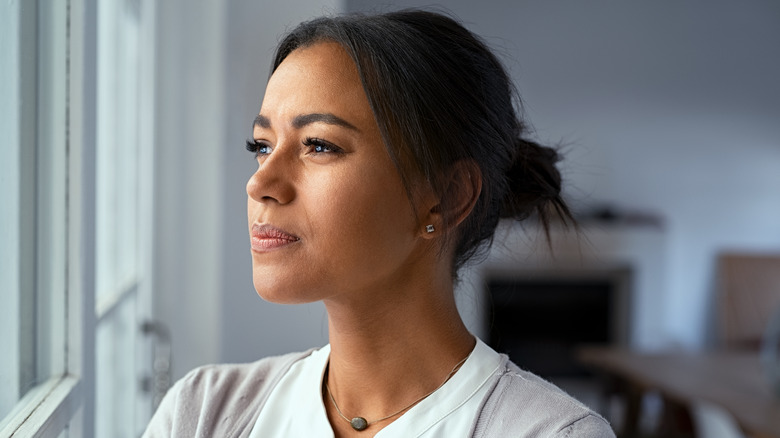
x=214 y=396
x=236 y=378
x=522 y=404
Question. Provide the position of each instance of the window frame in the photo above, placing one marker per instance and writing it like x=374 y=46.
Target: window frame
x=52 y=48
x=62 y=402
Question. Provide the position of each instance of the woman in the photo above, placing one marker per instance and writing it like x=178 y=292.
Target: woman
x=388 y=148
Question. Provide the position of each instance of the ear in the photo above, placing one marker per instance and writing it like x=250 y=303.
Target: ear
x=462 y=188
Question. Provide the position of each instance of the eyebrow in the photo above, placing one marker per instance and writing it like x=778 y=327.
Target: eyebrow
x=307 y=119
x=262 y=122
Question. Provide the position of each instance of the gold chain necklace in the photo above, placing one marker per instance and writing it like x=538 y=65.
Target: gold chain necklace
x=360 y=423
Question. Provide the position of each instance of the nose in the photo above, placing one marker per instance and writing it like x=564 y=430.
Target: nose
x=273 y=180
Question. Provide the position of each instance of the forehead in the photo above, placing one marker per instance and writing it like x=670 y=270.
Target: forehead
x=321 y=78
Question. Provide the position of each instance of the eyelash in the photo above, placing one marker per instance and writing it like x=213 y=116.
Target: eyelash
x=312 y=142
x=254 y=146
x=316 y=143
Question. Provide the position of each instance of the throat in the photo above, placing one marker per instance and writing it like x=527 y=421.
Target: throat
x=360 y=423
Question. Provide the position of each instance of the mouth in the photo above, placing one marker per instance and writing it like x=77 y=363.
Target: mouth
x=267 y=238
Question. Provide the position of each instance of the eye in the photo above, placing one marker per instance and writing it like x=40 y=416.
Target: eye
x=320 y=146
x=258 y=147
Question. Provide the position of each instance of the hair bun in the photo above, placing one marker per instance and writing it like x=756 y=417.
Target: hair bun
x=533 y=181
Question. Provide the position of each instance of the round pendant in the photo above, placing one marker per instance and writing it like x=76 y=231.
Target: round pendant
x=359 y=423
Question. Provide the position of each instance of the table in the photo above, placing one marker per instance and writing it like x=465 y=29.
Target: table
x=733 y=380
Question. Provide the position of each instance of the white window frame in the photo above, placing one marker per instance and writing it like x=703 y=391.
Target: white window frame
x=64 y=404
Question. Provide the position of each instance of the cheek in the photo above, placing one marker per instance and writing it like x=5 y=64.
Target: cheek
x=367 y=210
x=369 y=193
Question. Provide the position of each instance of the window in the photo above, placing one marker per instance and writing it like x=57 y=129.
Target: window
x=75 y=186
x=123 y=182
x=34 y=219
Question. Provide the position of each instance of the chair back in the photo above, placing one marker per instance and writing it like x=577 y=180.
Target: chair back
x=749 y=295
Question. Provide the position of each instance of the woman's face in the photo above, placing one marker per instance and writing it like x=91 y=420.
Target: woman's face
x=328 y=214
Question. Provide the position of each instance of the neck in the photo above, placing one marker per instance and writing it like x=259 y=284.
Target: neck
x=387 y=353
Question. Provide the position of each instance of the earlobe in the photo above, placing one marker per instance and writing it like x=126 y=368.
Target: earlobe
x=430 y=219
x=431 y=223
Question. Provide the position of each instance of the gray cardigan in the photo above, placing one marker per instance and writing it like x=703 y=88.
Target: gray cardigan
x=224 y=401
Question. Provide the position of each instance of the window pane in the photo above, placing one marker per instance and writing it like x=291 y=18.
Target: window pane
x=32 y=193
x=51 y=214
x=117 y=149
x=119 y=204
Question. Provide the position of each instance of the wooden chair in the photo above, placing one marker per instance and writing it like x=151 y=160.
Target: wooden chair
x=749 y=294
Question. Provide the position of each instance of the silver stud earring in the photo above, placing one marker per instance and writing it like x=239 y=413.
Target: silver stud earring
x=429 y=228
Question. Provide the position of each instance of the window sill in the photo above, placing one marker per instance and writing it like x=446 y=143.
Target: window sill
x=45 y=410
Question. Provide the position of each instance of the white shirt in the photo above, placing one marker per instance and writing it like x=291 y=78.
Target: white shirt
x=296 y=408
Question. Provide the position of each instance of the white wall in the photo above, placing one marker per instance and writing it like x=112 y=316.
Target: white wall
x=667 y=107
x=214 y=59
x=188 y=177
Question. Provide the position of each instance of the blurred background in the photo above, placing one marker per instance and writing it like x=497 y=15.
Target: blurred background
x=668 y=115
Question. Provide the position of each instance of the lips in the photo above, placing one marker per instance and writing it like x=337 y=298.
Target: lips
x=267 y=238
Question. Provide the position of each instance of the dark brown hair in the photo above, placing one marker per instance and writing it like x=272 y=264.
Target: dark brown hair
x=439 y=96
